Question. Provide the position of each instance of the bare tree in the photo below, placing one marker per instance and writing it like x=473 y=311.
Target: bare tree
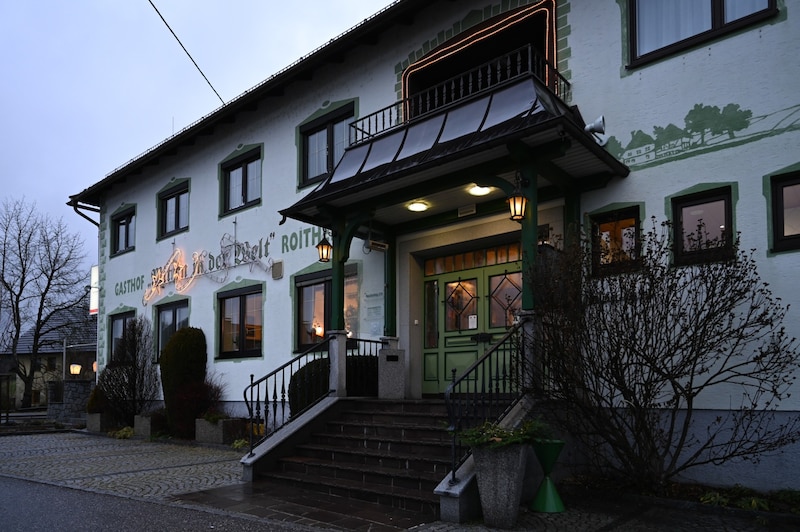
x=42 y=275
x=130 y=383
x=632 y=357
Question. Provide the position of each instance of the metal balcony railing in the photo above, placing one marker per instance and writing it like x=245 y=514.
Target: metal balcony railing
x=524 y=61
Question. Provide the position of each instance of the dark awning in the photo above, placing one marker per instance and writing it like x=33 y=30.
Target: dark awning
x=458 y=139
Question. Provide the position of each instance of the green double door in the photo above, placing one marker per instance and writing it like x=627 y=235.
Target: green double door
x=465 y=313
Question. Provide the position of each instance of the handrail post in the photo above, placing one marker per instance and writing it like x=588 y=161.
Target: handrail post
x=338 y=359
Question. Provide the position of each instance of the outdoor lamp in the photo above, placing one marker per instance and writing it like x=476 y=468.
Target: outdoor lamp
x=74 y=369
x=325 y=249
x=517 y=202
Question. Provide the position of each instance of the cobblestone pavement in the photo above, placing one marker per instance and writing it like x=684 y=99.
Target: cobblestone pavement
x=131 y=468
x=208 y=478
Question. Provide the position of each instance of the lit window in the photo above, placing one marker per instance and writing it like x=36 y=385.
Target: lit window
x=615 y=240
x=662 y=27
x=242 y=181
x=123 y=228
x=240 y=323
x=324 y=141
x=703 y=227
x=173 y=208
x=172 y=317
x=314 y=306
x=786 y=212
x=119 y=326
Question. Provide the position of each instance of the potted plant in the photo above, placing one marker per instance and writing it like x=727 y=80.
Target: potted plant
x=499 y=456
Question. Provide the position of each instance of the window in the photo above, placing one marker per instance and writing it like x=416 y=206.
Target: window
x=615 y=240
x=663 y=27
x=703 y=227
x=240 y=322
x=173 y=210
x=324 y=141
x=314 y=306
x=124 y=232
x=171 y=317
x=242 y=181
x=119 y=325
x=786 y=212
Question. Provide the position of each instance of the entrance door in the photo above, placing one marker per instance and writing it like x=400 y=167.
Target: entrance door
x=465 y=313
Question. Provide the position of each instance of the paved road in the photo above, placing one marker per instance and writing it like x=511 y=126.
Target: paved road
x=27 y=506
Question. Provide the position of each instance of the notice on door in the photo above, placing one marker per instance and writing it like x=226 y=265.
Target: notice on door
x=472 y=321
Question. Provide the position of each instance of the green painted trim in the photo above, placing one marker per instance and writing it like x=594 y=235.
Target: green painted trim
x=175 y=182
x=235 y=285
x=617 y=206
x=124 y=208
x=703 y=187
x=327 y=108
x=766 y=191
x=240 y=151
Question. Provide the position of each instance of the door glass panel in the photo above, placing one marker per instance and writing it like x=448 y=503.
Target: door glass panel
x=431 y=314
x=505 y=298
x=460 y=303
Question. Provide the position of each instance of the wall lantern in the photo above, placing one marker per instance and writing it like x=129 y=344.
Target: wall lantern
x=324 y=249
x=94 y=366
x=74 y=369
x=517 y=202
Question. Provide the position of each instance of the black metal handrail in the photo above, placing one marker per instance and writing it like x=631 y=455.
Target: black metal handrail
x=523 y=61
x=486 y=391
x=276 y=387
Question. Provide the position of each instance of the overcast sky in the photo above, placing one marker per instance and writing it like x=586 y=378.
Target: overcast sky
x=87 y=85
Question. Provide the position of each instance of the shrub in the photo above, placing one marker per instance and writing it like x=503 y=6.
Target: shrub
x=183 y=375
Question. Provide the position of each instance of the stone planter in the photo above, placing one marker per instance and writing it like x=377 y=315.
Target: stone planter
x=223 y=432
x=500 y=472
x=98 y=422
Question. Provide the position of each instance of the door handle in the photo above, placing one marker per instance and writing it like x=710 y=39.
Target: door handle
x=481 y=337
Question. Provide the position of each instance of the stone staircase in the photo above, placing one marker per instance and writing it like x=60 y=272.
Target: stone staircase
x=386 y=452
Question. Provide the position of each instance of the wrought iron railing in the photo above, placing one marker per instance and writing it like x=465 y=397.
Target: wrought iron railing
x=524 y=61
x=270 y=399
x=487 y=390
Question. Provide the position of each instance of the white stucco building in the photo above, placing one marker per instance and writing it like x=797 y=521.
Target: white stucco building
x=217 y=226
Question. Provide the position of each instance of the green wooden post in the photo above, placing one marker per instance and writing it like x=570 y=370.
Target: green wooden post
x=529 y=237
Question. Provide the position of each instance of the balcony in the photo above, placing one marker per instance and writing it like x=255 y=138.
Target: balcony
x=490 y=76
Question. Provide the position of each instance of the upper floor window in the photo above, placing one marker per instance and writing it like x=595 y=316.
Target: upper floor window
x=119 y=327
x=172 y=317
x=242 y=181
x=324 y=141
x=615 y=240
x=173 y=210
x=663 y=27
x=703 y=226
x=240 y=322
x=786 y=212
x=123 y=227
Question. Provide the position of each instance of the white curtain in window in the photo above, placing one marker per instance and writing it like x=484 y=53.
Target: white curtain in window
x=736 y=9
x=663 y=22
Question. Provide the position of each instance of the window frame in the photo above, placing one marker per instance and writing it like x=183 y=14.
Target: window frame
x=325 y=123
x=616 y=215
x=174 y=307
x=240 y=294
x=780 y=241
x=173 y=192
x=126 y=218
x=313 y=279
x=241 y=162
x=719 y=28
x=682 y=257
x=125 y=318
